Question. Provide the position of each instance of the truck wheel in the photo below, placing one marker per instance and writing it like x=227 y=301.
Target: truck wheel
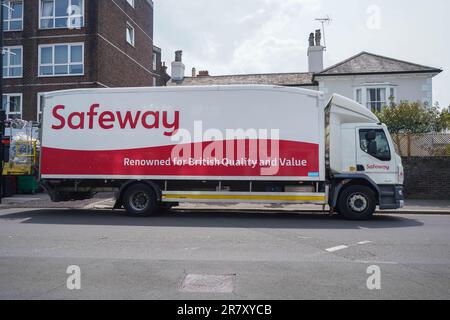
x=357 y=203
x=140 y=201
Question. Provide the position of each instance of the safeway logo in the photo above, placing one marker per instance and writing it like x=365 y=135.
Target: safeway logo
x=377 y=167
x=107 y=120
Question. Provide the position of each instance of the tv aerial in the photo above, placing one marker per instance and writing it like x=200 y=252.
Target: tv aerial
x=324 y=21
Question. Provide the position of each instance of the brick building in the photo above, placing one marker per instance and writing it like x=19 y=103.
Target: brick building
x=159 y=68
x=66 y=44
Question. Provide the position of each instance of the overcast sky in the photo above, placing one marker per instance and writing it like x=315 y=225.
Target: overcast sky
x=264 y=36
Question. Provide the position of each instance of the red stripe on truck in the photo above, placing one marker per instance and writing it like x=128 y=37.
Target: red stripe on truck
x=294 y=159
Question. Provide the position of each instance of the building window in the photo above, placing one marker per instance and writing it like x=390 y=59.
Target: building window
x=39 y=106
x=358 y=97
x=61 y=14
x=391 y=97
x=130 y=34
x=61 y=60
x=376 y=99
x=13 y=15
x=12 y=104
x=375 y=96
x=155 y=60
x=13 y=62
x=131 y=3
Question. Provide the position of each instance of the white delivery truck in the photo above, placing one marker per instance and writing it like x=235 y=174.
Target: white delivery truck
x=155 y=147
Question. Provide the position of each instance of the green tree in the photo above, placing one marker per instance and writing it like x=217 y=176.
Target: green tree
x=444 y=119
x=409 y=118
x=412 y=118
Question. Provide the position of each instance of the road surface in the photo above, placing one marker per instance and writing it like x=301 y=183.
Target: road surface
x=220 y=255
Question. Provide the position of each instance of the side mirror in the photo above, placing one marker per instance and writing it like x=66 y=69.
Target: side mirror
x=372 y=147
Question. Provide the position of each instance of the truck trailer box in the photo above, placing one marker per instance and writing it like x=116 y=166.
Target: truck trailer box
x=221 y=133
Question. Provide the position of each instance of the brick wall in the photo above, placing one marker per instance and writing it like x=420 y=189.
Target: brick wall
x=119 y=63
x=109 y=59
x=427 y=178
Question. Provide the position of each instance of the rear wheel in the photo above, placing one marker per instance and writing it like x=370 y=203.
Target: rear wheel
x=140 y=201
x=357 y=203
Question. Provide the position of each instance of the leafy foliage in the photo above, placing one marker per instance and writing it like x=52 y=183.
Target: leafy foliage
x=413 y=117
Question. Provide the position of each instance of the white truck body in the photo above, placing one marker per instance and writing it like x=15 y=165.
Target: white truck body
x=284 y=140
x=208 y=114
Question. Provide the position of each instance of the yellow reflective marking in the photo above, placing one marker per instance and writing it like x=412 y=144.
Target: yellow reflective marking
x=241 y=197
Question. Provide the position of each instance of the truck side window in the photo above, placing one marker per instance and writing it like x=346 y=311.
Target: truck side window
x=375 y=143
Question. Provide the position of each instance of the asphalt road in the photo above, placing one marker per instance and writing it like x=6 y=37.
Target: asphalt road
x=189 y=255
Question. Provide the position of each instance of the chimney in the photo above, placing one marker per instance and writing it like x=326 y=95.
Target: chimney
x=315 y=52
x=204 y=73
x=178 y=67
x=194 y=72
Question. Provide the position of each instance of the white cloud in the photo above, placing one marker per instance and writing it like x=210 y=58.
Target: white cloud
x=277 y=37
x=235 y=36
x=256 y=36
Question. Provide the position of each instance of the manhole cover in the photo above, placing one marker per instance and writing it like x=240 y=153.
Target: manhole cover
x=208 y=283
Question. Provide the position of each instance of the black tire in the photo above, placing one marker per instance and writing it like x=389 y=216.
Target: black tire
x=357 y=203
x=140 y=200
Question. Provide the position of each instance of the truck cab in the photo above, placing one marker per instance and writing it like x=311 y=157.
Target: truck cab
x=360 y=152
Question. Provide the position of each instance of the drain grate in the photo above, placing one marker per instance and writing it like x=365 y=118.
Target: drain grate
x=208 y=283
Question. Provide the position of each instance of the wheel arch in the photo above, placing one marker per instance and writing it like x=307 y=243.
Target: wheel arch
x=341 y=181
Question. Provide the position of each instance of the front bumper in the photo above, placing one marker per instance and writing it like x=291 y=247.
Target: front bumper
x=391 y=197
x=399 y=196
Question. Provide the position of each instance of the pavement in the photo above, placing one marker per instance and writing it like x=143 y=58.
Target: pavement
x=42 y=200
x=105 y=201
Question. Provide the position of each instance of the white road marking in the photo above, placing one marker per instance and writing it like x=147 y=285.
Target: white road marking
x=375 y=262
x=364 y=242
x=17 y=200
x=334 y=249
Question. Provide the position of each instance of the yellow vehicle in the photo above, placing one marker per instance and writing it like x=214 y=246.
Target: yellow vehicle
x=23 y=150
x=23 y=160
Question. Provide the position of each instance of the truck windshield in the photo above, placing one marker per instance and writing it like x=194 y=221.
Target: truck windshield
x=375 y=143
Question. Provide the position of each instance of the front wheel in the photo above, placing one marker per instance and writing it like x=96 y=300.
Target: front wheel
x=140 y=201
x=357 y=203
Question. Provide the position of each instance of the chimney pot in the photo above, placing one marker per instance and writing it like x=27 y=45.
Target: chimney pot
x=315 y=52
x=179 y=56
x=178 y=67
x=204 y=73
x=318 y=37
x=311 y=39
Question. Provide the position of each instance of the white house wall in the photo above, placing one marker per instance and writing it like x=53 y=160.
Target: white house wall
x=409 y=87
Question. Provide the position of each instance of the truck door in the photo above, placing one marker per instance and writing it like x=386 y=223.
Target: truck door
x=375 y=155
